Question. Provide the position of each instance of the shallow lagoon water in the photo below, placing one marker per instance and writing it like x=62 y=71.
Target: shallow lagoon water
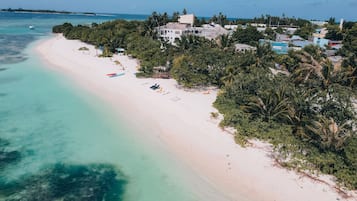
x=50 y=121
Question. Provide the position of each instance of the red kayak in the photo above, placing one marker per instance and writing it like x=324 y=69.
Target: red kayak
x=111 y=74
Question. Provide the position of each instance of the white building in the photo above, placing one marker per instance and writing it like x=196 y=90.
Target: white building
x=318 y=23
x=282 y=37
x=187 y=19
x=290 y=30
x=240 y=47
x=209 y=31
x=320 y=33
x=231 y=27
x=174 y=30
x=258 y=25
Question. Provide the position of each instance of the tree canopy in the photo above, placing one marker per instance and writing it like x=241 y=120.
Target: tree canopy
x=334 y=33
x=249 y=35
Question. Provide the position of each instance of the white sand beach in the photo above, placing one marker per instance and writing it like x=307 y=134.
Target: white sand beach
x=180 y=122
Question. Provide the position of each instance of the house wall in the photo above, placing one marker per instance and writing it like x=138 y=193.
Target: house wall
x=231 y=27
x=170 y=35
x=186 y=19
x=321 y=42
x=277 y=47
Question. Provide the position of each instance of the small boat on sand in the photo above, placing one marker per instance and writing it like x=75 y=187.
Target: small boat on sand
x=115 y=74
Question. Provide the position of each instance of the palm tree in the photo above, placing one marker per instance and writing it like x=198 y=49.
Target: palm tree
x=153 y=21
x=287 y=62
x=302 y=111
x=224 y=42
x=321 y=93
x=264 y=56
x=229 y=78
x=308 y=67
x=329 y=134
x=329 y=76
x=350 y=71
x=315 y=68
x=270 y=105
x=352 y=77
x=185 y=43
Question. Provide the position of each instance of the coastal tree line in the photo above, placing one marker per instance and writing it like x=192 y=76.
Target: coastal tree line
x=300 y=102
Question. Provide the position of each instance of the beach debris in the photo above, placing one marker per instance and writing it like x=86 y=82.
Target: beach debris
x=161 y=90
x=117 y=62
x=155 y=86
x=83 y=49
x=214 y=115
x=110 y=75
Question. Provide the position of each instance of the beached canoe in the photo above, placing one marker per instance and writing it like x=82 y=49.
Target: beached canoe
x=116 y=74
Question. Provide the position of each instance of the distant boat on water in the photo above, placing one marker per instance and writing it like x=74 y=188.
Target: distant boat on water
x=31 y=27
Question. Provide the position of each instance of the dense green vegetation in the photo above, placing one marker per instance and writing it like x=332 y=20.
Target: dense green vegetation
x=334 y=33
x=249 y=35
x=307 y=113
x=305 y=31
x=299 y=102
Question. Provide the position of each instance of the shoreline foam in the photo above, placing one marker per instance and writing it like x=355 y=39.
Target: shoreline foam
x=181 y=122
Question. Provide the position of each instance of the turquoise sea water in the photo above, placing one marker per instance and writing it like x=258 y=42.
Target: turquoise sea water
x=47 y=121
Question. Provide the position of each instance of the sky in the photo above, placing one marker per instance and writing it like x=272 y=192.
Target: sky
x=308 y=9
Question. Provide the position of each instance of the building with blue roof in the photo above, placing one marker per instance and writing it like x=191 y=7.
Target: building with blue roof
x=321 y=42
x=277 y=47
x=301 y=44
